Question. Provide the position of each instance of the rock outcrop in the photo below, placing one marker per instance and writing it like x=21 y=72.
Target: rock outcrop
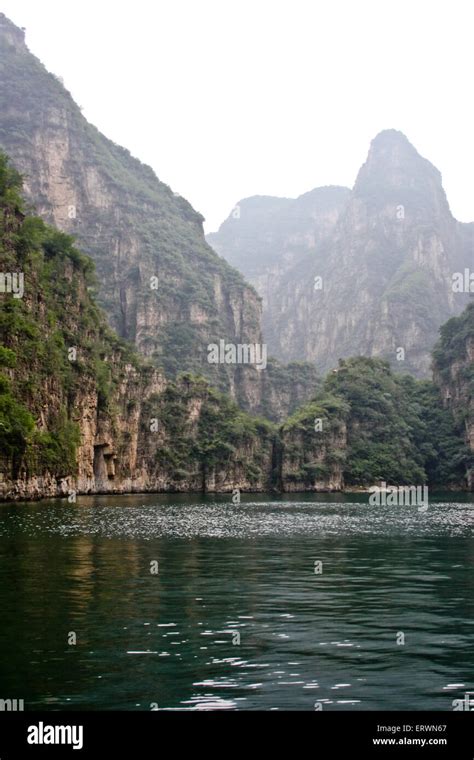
x=313 y=447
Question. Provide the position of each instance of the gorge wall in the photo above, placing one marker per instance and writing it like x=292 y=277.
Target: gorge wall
x=160 y=284
x=80 y=411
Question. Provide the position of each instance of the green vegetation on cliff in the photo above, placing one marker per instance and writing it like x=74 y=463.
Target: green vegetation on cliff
x=314 y=442
x=452 y=346
x=397 y=428
x=56 y=348
x=453 y=366
x=223 y=438
x=41 y=333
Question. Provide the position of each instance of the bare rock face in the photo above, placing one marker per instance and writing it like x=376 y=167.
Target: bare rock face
x=161 y=285
x=366 y=272
x=267 y=239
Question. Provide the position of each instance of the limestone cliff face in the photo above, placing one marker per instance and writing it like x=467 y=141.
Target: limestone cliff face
x=313 y=460
x=161 y=285
x=378 y=278
x=268 y=239
x=107 y=453
x=453 y=369
x=120 y=452
x=80 y=411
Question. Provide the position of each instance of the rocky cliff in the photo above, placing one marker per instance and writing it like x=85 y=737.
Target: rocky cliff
x=161 y=285
x=79 y=410
x=367 y=424
x=341 y=272
x=368 y=271
x=313 y=446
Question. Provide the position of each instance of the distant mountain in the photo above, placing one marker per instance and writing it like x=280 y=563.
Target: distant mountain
x=368 y=271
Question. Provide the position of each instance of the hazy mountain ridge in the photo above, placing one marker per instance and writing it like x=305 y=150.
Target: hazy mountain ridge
x=385 y=252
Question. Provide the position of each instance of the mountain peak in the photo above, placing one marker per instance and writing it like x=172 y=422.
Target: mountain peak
x=395 y=165
x=392 y=148
x=391 y=136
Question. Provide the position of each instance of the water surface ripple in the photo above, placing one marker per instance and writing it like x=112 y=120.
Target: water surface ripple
x=188 y=602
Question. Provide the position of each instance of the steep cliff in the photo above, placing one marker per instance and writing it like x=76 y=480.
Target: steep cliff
x=161 y=285
x=79 y=410
x=268 y=240
x=367 y=424
x=453 y=368
x=313 y=447
x=365 y=272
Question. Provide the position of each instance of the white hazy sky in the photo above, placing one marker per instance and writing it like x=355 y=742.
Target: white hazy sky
x=230 y=99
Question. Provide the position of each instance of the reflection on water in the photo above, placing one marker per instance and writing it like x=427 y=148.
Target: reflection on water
x=237 y=616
